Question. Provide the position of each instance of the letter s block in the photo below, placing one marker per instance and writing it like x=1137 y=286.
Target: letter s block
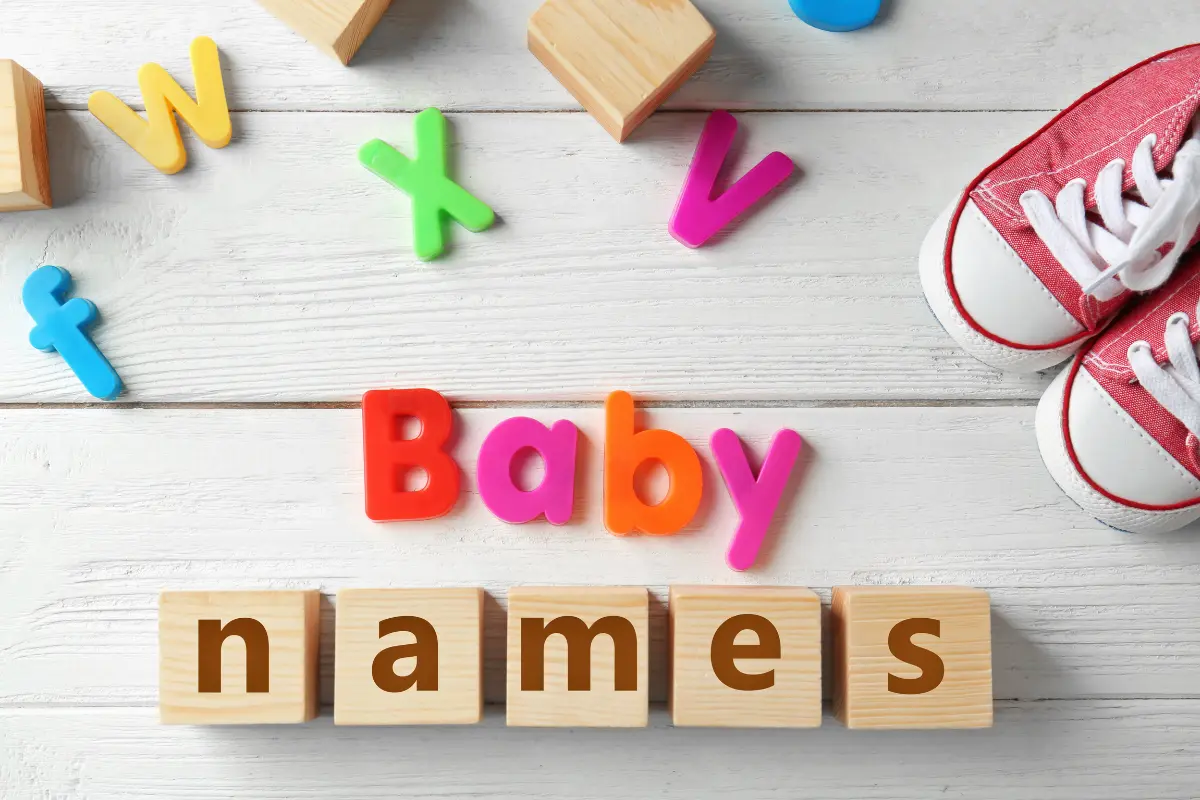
x=745 y=657
x=24 y=164
x=578 y=657
x=238 y=657
x=408 y=657
x=912 y=657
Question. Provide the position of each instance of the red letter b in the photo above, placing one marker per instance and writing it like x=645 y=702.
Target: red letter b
x=388 y=457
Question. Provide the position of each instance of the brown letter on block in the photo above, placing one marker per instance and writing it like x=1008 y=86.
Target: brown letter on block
x=258 y=653
x=579 y=636
x=933 y=669
x=724 y=652
x=425 y=650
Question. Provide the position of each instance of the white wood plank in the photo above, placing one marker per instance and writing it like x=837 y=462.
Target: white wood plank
x=102 y=509
x=279 y=269
x=1083 y=750
x=471 y=54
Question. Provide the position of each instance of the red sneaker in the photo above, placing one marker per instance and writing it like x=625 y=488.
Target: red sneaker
x=1047 y=244
x=1118 y=428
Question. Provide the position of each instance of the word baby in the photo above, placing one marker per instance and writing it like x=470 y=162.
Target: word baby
x=744 y=656
x=389 y=457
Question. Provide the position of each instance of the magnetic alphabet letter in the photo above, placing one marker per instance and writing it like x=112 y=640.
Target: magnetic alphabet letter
x=756 y=498
x=555 y=496
x=388 y=457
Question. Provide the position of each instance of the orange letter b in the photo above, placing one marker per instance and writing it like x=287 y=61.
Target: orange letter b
x=388 y=456
x=624 y=452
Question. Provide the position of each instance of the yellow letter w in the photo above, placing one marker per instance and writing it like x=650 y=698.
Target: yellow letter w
x=157 y=139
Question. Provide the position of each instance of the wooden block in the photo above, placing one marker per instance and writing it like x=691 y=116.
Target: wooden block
x=912 y=657
x=745 y=657
x=337 y=27
x=578 y=657
x=237 y=657
x=408 y=657
x=24 y=163
x=620 y=58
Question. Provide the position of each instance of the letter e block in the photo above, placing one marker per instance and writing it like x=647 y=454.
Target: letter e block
x=620 y=58
x=337 y=27
x=578 y=657
x=408 y=657
x=24 y=163
x=745 y=657
x=229 y=658
x=913 y=657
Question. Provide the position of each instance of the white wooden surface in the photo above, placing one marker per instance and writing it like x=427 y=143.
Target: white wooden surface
x=251 y=299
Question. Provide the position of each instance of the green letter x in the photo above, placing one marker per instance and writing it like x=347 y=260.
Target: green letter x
x=434 y=195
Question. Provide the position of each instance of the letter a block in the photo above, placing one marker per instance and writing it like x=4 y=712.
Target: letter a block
x=578 y=657
x=336 y=27
x=745 y=657
x=238 y=657
x=912 y=657
x=408 y=657
x=24 y=164
x=620 y=58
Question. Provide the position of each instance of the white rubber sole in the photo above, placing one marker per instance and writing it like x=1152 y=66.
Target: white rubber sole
x=1053 y=446
x=932 y=268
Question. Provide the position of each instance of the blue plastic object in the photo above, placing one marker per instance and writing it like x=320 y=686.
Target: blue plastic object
x=837 y=15
x=60 y=326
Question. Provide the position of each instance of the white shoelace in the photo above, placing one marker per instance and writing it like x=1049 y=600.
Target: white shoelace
x=1176 y=385
x=1124 y=252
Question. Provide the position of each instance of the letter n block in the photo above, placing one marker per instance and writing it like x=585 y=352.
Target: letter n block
x=912 y=657
x=337 y=27
x=238 y=657
x=408 y=657
x=745 y=657
x=578 y=657
x=24 y=163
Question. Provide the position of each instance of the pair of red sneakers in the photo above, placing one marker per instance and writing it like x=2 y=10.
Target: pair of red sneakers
x=1079 y=244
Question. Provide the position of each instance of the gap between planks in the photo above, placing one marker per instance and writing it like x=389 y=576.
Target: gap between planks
x=515 y=404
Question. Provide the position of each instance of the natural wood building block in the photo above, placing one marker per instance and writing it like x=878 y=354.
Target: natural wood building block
x=620 y=58
x=339 y=27
x=578 y=657
x=230 y=658
x=745 y=657
x=24 y=162
x=408 y=657
x=912 y=657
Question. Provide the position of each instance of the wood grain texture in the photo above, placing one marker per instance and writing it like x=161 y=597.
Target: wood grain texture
x=337 y=27
x=1084 y=750
x=103 y=509
x=471 y=54
x=24 y=162
x=278 y=269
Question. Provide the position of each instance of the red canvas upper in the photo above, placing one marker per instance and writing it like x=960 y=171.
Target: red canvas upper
x=1159 y=96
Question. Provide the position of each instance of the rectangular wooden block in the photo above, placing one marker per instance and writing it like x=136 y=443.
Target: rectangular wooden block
x=913 y=657
x=238 y=657
x=338 y=27
x=408 y=657
x=620 y=58
x=745 y=657
x=578 y=657
x=24 y=161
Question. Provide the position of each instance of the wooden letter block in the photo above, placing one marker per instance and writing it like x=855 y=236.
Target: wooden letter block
x=745 y=657
x=620 y=58
x=24 y=164
x=337 y=27
x=913 y=657
x=408 y=657
x=238 y=657
x=578 y=657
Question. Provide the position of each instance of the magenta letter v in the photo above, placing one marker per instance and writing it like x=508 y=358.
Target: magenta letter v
x=699 y=215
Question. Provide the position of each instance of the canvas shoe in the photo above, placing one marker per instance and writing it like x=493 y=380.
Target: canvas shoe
x=1118 y=428
x=1046 y=245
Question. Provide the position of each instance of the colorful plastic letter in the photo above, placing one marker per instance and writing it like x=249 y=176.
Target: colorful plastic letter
x=434 y=195
x=698 y=214
x=157 y=137
x=60 y=326
x=756 y=498
x=388 y=457
x=555 y=496
x=624 y=451
x=838 y=16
